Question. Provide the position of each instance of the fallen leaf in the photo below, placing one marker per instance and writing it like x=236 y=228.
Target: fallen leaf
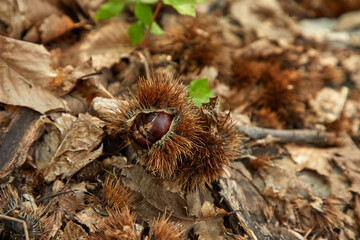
x=54 y=26
x=90 y=218
x=77 y=142
x=105 y=45
x=24 y=79
x=74 y=231
x=151 y=198
x=209 y=229
x=329 y=104
x=253 y=16
x=241 y=195
x=316 y=159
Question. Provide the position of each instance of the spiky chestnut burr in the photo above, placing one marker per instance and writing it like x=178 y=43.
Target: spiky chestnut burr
x=175 y=140
x=195 y=43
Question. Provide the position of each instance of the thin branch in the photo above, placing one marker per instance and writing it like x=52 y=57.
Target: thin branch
x=90 y=75
x=26 y=232
x=144 y=61
x=54 y=195
x=292 y=136
x=146 y=41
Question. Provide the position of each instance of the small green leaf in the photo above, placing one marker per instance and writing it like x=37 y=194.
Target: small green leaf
x=143 y=12
x=179 y=2
x=185 y=7
x=136 y=32
x=199 y=91
x=156 y=29
x=150 y=1
x=109 y=9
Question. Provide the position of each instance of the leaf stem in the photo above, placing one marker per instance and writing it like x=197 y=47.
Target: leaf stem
x=145 y=43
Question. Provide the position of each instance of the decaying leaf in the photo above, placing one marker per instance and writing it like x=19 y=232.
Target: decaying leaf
x=29 y=76
x=288 y=70
x=152 y=198
x=329 y=104
x=105 y=45
x=71 y=144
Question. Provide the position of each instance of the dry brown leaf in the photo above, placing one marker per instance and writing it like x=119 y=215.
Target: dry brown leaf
x=74 y=231
x=265 y=17
x=263 y=48
x=316 y=159
x=241 y=195
x=26 y=70
x=351 y=64
x=90 y=218
x=151 y=197
x=29 y=76
x=22 y=15
x=201 y=206
x=105 y=45
x=329 y=104
x=89 y=6
x=348 y=21
x=73 y=144
x=54 y=26
x=210 y=229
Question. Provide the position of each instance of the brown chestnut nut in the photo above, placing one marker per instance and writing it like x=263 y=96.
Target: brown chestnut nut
x=148 y=128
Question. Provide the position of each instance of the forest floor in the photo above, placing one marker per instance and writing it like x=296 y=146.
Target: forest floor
x=287 y=72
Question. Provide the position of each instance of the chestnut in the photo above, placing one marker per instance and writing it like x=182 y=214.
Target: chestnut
x=148 y=128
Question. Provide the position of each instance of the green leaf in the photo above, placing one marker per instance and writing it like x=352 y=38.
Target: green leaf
x=143 y=12
x=185 y=7
x=156 y=29
x=179 y=2
x=150 y=1
x=109 y=9
x=136 y=32
x=199 y=91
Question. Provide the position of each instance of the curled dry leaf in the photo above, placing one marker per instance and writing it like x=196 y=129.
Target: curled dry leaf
x=20 y=16
x=29 y=76
x=26 y=69
x=54 y=26
x=73 y=143
x=50 y=28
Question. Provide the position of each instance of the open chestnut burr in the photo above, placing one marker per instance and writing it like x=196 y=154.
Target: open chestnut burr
x=149 y=128
x=176 y=141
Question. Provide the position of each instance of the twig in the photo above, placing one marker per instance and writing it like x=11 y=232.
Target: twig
x=145 y=42
x=144 y=61
x=54 y=195
x=292 y=136
x=90 y=75
x=26 y=232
